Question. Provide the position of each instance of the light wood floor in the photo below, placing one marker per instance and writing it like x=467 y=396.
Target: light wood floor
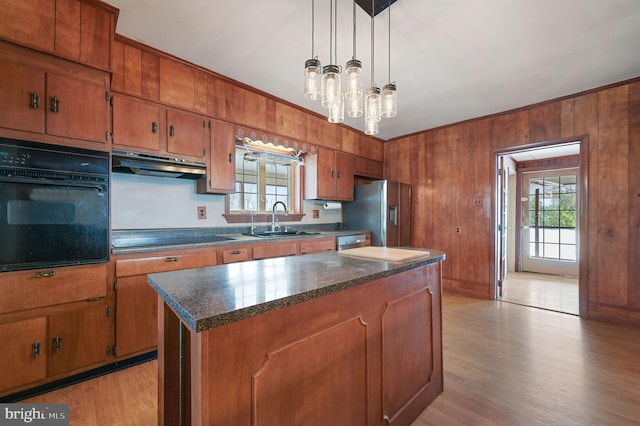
x=553 y=292
x=505 y=364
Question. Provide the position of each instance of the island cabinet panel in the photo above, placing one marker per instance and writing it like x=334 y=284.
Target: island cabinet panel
x=367 y=355
x=291 y=367
x=25 y=359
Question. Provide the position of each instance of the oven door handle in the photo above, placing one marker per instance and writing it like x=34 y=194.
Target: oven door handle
x=51 y=182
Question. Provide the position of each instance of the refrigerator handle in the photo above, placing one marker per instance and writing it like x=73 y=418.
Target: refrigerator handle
x=393 y=214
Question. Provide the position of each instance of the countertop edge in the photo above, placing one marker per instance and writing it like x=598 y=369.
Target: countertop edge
x=218 y=320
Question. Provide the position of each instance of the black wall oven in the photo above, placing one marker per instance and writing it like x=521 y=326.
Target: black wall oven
x=54 y=205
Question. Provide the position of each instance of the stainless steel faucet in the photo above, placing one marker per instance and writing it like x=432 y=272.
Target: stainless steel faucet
x=273 y=214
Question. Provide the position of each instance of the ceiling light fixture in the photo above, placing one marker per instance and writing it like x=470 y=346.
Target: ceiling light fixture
x=325 y=82
x=312 y=70
x=389 y=95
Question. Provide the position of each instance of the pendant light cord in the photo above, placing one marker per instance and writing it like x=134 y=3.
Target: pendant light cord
x=372 y=41
x=354 y=30
x=313 y=28
x=331 y=32
x=389 y=8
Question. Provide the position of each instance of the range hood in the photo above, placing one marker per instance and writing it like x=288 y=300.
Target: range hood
x=156 y=165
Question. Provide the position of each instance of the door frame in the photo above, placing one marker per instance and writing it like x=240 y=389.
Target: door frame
x=583 y=227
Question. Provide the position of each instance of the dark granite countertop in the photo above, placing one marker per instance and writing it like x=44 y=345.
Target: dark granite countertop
x=210 y=297
x=149 y=240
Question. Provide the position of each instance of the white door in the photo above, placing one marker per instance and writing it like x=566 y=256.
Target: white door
x=550 y=222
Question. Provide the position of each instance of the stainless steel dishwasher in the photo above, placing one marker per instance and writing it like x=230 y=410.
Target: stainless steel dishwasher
x=351 y=241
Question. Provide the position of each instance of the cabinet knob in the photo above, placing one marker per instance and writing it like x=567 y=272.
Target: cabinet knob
x=171 y=259
x=172 y=131
x=230 y=157
x=235 y=251
x=55 y=104
x=35 y=100
x=154 y=127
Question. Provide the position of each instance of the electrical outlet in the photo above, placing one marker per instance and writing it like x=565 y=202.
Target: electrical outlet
x=316 y=214
x=458 y=230
x=202 y=212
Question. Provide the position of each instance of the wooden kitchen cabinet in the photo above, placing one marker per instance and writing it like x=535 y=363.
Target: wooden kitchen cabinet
x=73 y=29
x=24 y=352
x=317 y=245
x=369 y=168
x=221 y=171
x=277 y=249
x=147 y=126
x=329 y=175
x=48 y=101
x=136 y=303
x=78 y=337
x=236 y=254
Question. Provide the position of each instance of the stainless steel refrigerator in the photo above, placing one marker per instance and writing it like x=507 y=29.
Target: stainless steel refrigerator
x=384 y=208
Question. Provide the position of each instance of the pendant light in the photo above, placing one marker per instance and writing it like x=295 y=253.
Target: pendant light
x=331 y=87
x=312 y=70
x=372 y=102
x=353 y=93
x=389 y=96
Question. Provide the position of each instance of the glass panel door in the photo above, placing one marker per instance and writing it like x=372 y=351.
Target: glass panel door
x=550 y=222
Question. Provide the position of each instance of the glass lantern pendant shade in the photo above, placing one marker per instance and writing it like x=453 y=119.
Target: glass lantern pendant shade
x=331 y=87
x=371 y=127
x=336 y=110
x=354 y=79
x=372 y=105
x=354 y=107
x=389 y=100
x=312 y=79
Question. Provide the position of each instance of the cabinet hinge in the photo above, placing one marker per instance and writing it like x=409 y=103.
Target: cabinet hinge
x=107 y=97
x=108 y=350
x=115 y=350
x=115 y=286
x=107 y=135
x=111 y=101
x=108 y=311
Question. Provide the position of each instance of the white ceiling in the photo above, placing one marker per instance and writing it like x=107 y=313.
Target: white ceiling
x=452 y=60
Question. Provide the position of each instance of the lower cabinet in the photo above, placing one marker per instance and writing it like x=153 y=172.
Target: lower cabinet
x=25 y=352
x=136 y=303
x=62 y=341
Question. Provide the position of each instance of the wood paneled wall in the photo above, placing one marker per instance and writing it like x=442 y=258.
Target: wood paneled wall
x=450 y=166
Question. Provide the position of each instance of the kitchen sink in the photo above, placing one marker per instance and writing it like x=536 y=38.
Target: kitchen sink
x=269 y=234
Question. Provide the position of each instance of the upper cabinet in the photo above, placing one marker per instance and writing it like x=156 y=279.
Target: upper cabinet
x=221 y=172
x=329 y=175
x=152 y=127
x=40 y=97
x=369 y=168
x=81 y=31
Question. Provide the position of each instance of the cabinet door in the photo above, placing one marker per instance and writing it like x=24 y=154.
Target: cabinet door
x=29 y=22
x=23 y=102
x=369 y=168
x=24 y=352
x=265 y=251
x=344 y=176
x=317 y=245
x=320 y=175
x=186 y=134
x=221 y=173
x=78 y=337
x=77 y=109
x=137 y=124
x=136 y=316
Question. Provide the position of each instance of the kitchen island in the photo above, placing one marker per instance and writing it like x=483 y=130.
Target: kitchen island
x=318 y=339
